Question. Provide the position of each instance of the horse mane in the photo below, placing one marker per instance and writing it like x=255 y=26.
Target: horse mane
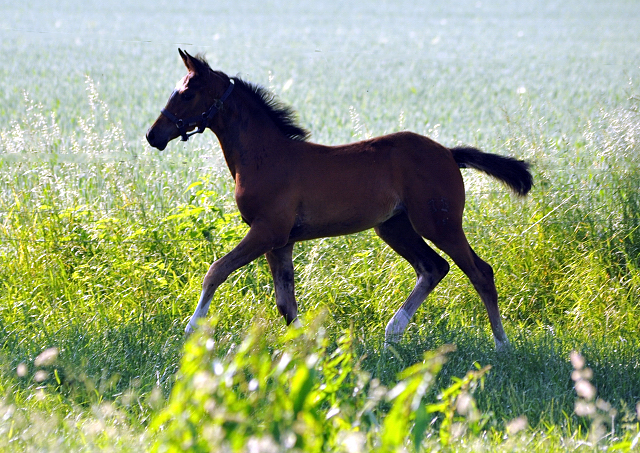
x=284 y=117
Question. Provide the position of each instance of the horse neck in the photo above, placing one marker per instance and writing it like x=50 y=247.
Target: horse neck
x=245 y=132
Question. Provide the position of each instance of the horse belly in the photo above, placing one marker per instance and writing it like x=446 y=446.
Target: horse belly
x=340 y=220
x=346 y=190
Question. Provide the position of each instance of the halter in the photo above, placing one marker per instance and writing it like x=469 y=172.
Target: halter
x=204 y=118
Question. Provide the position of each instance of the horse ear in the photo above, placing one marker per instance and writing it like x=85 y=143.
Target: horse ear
x=188 y=61
x=186 y=58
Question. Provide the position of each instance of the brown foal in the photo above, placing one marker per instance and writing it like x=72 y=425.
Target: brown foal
x=404 y=185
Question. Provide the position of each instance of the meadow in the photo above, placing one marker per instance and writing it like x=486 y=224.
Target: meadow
x=104 y=241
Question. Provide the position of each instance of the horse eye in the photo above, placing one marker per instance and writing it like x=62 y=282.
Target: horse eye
x=187 y=96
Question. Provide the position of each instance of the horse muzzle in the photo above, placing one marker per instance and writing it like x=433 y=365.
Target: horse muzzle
x=156 y=141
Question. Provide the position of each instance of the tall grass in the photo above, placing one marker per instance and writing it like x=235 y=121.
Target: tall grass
x=97 y=261
x=103 y=241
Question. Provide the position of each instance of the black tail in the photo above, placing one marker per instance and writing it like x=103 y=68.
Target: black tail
x=513 y=172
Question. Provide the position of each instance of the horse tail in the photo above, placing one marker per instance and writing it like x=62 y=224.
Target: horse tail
x=512 y=172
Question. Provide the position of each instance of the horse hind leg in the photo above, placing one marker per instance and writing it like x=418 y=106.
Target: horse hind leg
x=481 y=276
x=430 y=268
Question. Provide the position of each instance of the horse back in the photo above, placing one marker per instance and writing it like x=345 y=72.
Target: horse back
x=349 y=188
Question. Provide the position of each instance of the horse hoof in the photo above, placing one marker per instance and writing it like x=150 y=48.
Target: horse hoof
x=502 y=345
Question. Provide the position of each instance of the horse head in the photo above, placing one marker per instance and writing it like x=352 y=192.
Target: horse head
x=196 y=99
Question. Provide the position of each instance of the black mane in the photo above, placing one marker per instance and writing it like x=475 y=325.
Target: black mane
x=284 y=117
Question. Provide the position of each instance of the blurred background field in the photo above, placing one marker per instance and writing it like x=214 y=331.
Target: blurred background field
x=104 y=241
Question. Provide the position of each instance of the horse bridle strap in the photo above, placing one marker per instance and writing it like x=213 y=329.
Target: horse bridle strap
x=203 y=119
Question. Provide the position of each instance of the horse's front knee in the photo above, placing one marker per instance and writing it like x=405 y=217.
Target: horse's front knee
x=214 y=277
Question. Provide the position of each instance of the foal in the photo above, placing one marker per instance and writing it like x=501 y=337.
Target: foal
x=404 y=185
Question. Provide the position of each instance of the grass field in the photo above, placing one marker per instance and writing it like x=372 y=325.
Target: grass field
x=104 y=241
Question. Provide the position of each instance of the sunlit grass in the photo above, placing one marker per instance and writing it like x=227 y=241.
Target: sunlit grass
x=98 y=281
x=103 y=241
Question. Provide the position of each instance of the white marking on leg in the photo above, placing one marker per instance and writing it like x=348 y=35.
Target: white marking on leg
x=502 y=345
x=397 y=325
x=201 y=311
x=296 y=323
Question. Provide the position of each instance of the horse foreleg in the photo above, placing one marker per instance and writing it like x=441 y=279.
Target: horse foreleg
x=281 y=265
x=254 y=244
